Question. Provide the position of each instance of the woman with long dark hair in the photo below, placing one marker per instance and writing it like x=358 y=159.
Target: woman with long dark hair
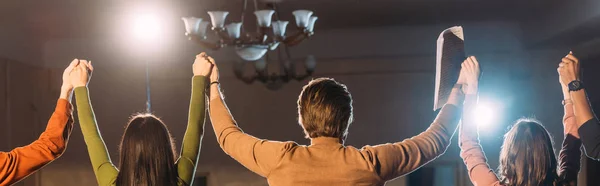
x=527 y=156
x=147 y=154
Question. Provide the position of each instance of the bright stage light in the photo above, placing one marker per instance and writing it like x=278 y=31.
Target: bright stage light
x=146 y=26
x=484 y=114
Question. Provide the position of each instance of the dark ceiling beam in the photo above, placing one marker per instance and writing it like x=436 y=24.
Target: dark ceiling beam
x=565 y=24
x=572 y=37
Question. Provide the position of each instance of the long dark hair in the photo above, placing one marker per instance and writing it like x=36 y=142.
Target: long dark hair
x=147 y=156
x=527 y=156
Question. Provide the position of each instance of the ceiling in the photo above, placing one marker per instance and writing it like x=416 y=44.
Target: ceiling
x=44 y=20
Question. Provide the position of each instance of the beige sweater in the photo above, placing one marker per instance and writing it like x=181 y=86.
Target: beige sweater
x=327 y=161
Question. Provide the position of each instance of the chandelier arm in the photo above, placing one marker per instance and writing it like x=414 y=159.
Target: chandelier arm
x=258 y=29
x=291 y=70
x=244 y=6
x=203 y=43
x=276 y=8
x=282 y=61
x=223 y=36
x=295 y=39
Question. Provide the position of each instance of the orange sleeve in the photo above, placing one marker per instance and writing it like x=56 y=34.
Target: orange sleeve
x=23 y=161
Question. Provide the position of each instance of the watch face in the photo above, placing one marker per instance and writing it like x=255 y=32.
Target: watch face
x=575 y=85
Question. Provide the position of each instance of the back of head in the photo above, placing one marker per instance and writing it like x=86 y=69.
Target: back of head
x=325 y=108
x=527 y=156
x=147 y=155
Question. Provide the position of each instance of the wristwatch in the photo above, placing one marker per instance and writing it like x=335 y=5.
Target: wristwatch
x=575 y=85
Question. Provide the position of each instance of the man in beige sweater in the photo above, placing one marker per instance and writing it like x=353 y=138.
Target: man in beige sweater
x=325 y=112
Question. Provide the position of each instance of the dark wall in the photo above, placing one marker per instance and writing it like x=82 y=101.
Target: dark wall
x=27 y=98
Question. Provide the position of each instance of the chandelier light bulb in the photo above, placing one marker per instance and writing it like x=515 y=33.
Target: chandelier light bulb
x=302 y=17
x=311 y=23
x=191 y=24
x=217 y=18
x=264 y=17
x=279 y=28
x=252 y=46
x=234 y=29
x=202 y=29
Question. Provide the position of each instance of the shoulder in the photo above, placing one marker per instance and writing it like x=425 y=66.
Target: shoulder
x=290 y=145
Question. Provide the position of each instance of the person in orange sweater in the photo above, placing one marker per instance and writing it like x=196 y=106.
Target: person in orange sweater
x=325 y=112
x=23 y=161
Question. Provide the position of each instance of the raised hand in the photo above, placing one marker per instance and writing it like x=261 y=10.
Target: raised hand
x=67 y=85
x=568 y=69
x=66 y=90
x=214 y=75
x=469 y=75
x=81 y=74
x=202 y=65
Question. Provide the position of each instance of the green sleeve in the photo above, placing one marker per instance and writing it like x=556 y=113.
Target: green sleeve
x=104 y=169
x=190 y=150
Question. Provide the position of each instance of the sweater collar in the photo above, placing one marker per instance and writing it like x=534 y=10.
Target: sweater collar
x=325 y=141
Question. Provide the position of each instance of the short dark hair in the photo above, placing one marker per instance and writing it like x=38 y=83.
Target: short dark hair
x=325 y=108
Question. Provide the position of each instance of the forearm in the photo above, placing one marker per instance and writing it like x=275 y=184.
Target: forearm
x=468 y=134
x=66 y=92
x=566 y=93
x=569 y=159
x=569 y=122
x=456 y=97
x=22 y=161
x=220 y=116
x=91 y=134
x=470 y=148
x=258 y=155
x=192 y=139
x=581 y=105
x=59 y=128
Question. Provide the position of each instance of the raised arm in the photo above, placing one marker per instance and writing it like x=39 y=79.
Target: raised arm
x=470 y=150
x=570 y=153
x=23 y=161
x=103 y=167
x=190 y=149
x=403 y=157
x=260 y=156
x=589 y=128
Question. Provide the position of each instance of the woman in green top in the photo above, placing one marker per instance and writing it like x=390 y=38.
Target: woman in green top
x=147 y=156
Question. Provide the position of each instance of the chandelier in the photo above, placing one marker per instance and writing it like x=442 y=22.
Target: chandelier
x=254 y=46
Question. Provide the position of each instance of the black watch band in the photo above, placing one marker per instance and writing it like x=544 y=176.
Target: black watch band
x=575 y=85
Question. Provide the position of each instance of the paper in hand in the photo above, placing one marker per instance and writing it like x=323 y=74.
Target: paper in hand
x=449 y=57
